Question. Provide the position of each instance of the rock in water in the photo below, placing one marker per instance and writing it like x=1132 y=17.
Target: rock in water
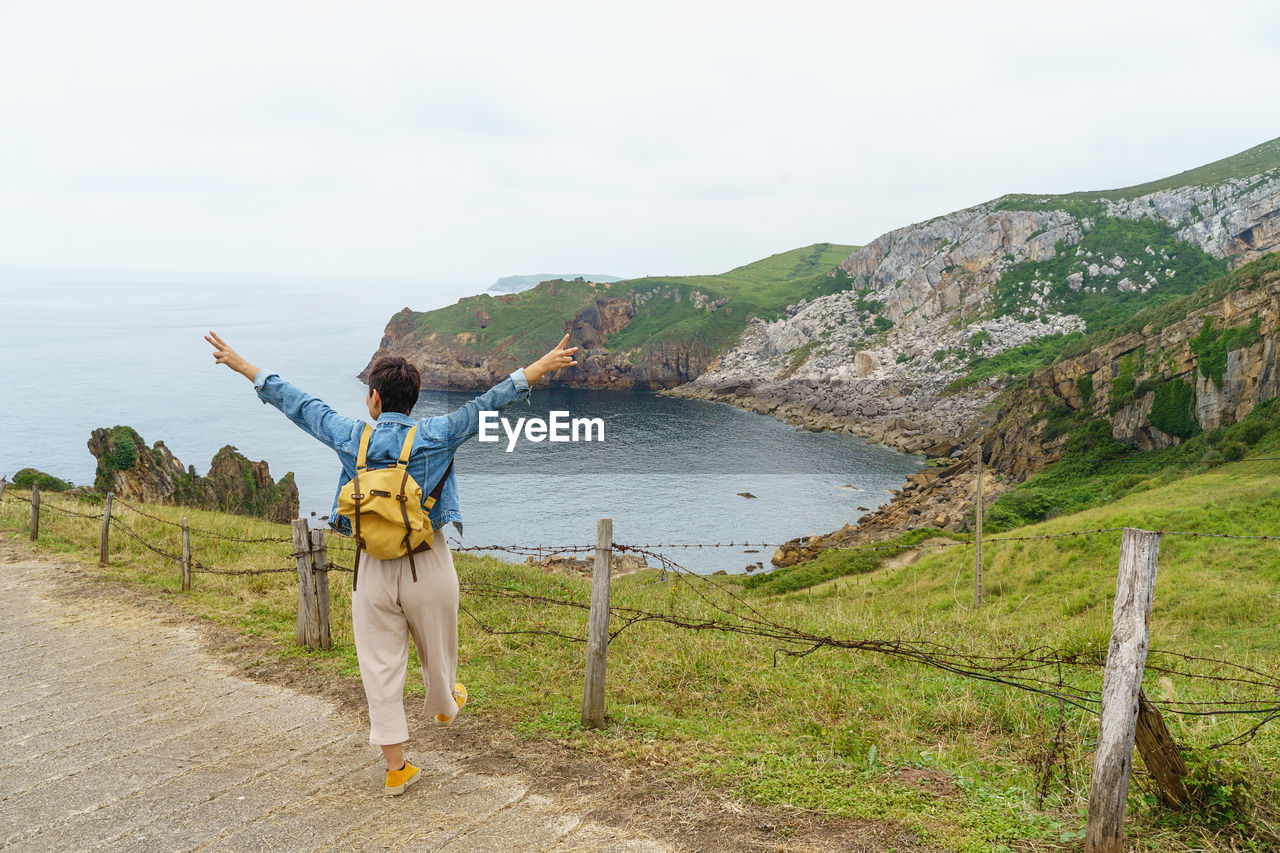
x=127 y=467
x=619 y=564
x=745 y=495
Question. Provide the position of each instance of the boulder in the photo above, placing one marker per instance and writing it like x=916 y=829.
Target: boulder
x=865 y=363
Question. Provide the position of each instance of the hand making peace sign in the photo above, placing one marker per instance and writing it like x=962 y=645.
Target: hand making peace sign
x=558 y=357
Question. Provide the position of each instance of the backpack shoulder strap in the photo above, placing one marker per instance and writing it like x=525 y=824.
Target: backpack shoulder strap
x=362 y=458
x=435 y=493
x=407 y=446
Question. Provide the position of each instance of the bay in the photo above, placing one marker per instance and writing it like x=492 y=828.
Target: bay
x=86 y=349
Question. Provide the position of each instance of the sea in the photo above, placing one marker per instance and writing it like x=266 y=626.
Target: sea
x=81 y=349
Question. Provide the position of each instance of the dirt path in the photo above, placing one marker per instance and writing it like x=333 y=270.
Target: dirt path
x=119 y=731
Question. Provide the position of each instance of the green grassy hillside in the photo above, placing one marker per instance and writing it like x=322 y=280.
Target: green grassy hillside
x=523 y=323
x=964 y=764
x=1254 y=161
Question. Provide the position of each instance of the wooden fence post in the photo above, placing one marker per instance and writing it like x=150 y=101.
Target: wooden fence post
x=320 y=551
x=3 y=483
x=104 y=547
x=598 y=628
x=977 y=542
x=35 y=511
x=307 y=634
x=1121 y=686
x=1160 y=753
x=186 y=555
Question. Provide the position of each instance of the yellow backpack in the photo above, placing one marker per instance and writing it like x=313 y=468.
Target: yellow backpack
x=386 y=508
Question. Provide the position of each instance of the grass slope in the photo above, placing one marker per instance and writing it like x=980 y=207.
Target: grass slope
x=840 y=732
x=526 y=323
x=1254 y=161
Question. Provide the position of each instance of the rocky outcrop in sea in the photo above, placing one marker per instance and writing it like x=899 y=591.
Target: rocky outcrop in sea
x=235 y=484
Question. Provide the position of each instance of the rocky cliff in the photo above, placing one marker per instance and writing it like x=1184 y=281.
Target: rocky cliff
x=923 y=302
x=127 y=467
x=450 y=361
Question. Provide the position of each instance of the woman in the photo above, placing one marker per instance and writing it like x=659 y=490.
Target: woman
x=388 y=605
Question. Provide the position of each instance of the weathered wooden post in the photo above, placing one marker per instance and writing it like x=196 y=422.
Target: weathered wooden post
x=104 y=548
x=3 y=483
x=977 y=542
x=186 y=555
x=598 y=628
x=307 y=634
x=35 y=511
x=1121 y=686
x=320 y=552
x=1160 y=753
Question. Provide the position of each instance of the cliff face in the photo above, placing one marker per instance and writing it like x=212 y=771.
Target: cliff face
x=127 y=467
x=925 y=299
x=1156 y=387
x=453 y=361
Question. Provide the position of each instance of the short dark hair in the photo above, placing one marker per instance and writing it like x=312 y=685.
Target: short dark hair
x=397 y=383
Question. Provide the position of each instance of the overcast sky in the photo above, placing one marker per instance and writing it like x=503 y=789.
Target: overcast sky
x=473 y=140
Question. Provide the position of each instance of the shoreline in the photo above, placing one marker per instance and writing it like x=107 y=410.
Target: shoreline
x=800 y=403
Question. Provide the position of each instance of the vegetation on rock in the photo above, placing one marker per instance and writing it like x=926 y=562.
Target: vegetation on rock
x=1120 y=266
x=127 y=467
x=47 y=482
x=121 y=455
x=1212 y=347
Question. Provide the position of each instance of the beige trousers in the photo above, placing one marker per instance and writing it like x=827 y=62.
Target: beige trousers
x=388 y=607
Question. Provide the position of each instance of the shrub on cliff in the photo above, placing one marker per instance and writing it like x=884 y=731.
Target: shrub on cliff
x=120 y=453
x=1213 y=346
x=47 y=482
x=1019 y=507
x=1173 y=409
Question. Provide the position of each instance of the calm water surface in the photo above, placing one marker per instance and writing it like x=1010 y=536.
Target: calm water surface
x=86 y=350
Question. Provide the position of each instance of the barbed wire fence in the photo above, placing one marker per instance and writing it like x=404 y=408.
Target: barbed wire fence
x=738 y=615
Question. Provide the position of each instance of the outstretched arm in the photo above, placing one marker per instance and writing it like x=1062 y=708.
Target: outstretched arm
x=464 y=422
x=311 y=414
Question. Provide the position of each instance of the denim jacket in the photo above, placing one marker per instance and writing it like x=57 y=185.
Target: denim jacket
x=433 y=445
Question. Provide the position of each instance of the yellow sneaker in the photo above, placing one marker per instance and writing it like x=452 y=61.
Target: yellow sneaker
x=398 y=780
x=459 y=696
